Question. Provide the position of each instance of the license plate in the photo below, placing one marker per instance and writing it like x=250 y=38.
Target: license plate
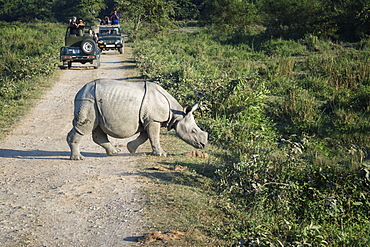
x=110 y=46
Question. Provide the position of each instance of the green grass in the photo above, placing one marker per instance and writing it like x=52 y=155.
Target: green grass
x=291 y=119
x=29 y=55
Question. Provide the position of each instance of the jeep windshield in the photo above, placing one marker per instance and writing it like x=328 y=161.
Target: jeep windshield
x=109 y=31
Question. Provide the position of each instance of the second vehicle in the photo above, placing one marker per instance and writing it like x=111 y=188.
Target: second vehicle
x=110 y=38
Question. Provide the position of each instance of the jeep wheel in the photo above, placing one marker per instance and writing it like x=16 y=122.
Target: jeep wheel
x=65 y=65
x=88 y=46
x=69 y=64
x=120 y=50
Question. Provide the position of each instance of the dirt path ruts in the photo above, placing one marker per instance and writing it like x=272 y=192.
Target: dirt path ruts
x=47 y=199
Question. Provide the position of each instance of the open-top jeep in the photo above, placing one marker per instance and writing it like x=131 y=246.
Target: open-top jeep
x=80 y=47
x=110 y=38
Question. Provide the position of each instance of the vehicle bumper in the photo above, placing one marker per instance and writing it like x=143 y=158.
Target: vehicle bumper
x=74 y=54
x=110 y=46
x=70 y=58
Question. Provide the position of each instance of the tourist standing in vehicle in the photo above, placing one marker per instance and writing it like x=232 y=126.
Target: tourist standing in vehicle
x=93 y=35
x=80 y=27
x=73 y=25
x=105 y=21
x=115 y=18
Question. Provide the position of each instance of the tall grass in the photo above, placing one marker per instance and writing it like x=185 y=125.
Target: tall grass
x=28 y=53
x=293 y=120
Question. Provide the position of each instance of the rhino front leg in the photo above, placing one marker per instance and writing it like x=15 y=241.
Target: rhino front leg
x=133 y=145
x=153 y=130
x=101 y=138
x=73 y=140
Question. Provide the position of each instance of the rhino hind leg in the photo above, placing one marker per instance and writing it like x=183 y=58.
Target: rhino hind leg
x=133 y=145
x=101 y=138
x=73 y=140
x=83 y=122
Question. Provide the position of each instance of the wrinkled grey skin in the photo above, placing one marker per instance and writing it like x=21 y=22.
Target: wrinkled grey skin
x=121 y=109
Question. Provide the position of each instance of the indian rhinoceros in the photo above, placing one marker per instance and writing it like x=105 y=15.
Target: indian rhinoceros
x=121 y=109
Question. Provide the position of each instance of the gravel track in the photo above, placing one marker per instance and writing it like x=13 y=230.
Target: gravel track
x=47 y=199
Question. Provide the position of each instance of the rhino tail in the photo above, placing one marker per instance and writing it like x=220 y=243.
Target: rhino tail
x=85 y=103
x=143 y=113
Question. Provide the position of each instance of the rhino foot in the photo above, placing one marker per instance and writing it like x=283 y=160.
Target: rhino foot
x=131 y=146
x=156 y=153
x=114 y=151
x=77 y=157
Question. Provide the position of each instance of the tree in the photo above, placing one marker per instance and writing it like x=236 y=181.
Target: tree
x=85 y=9
x=49 y=10
x=89 y=9
x=26 y=10
x=353 y=18
x=295 y=18
x=158 y=12
x=187 y=9
x=231 y=14
x=346 y=19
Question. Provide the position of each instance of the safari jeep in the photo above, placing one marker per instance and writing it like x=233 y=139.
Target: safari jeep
x=81 y=48
x=110 y=38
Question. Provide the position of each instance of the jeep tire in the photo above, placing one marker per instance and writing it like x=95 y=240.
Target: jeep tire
x=67 y=64
x=88 y=46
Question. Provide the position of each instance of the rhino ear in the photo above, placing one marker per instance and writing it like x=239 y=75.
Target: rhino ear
x=188 y=109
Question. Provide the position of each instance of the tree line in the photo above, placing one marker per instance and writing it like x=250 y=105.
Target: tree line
x=338 y=19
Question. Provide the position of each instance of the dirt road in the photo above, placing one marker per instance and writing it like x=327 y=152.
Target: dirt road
x=47 y=199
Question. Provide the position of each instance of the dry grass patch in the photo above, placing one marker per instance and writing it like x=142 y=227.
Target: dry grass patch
x=182 y=200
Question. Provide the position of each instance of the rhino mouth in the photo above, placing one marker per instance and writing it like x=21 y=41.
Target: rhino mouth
x=197 y=144
x=202 y=145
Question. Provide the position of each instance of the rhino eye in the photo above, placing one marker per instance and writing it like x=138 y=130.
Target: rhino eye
x=194 y=131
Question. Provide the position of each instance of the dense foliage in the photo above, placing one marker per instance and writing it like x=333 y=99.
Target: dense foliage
x=343 y=19
x=292 y=117
x=295 y=18
x=54 y=10
x=157 y=12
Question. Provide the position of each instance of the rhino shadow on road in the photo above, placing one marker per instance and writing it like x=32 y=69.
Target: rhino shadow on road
x=44 y=154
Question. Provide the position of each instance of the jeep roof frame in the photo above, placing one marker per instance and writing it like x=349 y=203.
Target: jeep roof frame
x=73 y=40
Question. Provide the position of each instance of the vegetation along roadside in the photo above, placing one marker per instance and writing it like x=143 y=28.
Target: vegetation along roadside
x=29 y=56
x=292 y=120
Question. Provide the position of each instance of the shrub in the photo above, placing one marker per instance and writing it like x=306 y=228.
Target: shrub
x=280 y=47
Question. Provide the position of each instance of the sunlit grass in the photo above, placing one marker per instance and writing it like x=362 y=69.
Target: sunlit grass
x=29 y=53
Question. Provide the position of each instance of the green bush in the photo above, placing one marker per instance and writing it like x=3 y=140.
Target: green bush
x=280 y=47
